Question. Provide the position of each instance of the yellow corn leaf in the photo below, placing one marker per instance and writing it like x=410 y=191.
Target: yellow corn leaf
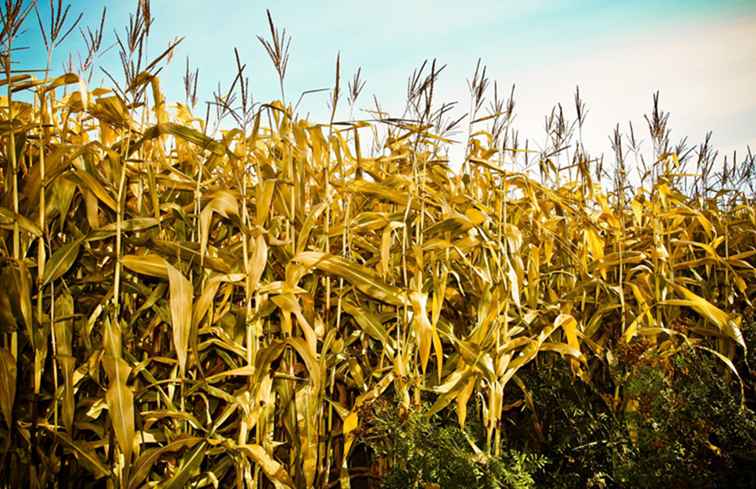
x=632 y=329
x=514 y=283
x=8 y=218
x=15 y=298
x=120 y=400
x=379 y=190
x=188 y=469
x=370 y=324
x=88 y=458
x=455 y=383
x=728 y=324
x=637 y=208
x=304 y=234
x=705 y=224
x=357 y=275
x=205 y=300
x=63 y=331
x=464 y=395
x=475 y=356
x=563 y=349
x=225 y=204
x=595 y=243
x=61 y=260
x=456 y=225
x=65 y=79
x=350 y=422
x=270 y=467
x=439 y=349
x=187 y=134
x=181 y=314
x=534 y=264
x=92 y=184
x=264 y=196
x=202 y=306
x=514 y=237
x=7 y=385
x=569 y=326
x=152 y=265
x=234 y=372
x=422 y=327
x=309 y=356
x=135 y=224
x=144 y=463
x=257 y=263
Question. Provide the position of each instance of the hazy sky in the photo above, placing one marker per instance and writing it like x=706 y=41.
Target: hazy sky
x=701 y=54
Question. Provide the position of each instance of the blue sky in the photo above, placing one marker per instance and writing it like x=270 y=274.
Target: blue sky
x=701 y=54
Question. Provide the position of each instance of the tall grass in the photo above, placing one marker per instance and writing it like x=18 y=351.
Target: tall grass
x=222 y=307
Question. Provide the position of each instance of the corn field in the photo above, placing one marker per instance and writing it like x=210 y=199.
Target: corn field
x=186 y=302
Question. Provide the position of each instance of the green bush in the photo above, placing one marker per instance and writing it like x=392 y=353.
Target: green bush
x=689 y=428
x=424 y=451
x=575 y=429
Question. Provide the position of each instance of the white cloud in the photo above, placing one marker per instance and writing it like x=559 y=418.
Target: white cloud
x=705 y=71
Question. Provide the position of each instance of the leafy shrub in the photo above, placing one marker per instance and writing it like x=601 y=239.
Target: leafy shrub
x=432 y=451
x=691 y=428
x=575 y=429
x=685 y=427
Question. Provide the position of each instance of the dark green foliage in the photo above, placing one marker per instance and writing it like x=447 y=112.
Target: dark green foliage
x=579 y=433
x=688 y=428
x=422 y=451
x=692 y=431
